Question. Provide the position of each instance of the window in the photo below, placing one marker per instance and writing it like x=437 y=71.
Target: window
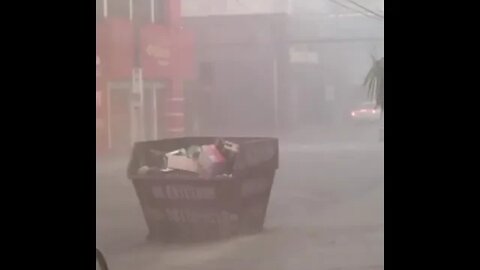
x=118 y=8
x=142 y=11
x=160 y=11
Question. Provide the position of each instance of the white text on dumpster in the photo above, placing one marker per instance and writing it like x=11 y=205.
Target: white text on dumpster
x=190 y=216
x=183 y=192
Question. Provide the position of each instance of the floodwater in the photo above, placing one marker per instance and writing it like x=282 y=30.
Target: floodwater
x=325 y=212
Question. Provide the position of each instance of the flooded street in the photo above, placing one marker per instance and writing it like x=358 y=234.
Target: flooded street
x=325 y=212
x=192 y=85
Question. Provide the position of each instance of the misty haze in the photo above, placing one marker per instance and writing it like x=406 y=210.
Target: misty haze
x=306 y=72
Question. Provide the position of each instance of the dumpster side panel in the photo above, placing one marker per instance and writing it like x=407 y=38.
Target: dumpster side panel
x=189 y=210
x=184 y=207
x=255 y=195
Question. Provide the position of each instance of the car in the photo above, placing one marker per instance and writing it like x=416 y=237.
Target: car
x=367 y=112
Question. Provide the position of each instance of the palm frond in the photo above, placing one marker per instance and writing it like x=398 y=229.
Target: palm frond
x=374 y=81
x=371 y=89
x=370 y=75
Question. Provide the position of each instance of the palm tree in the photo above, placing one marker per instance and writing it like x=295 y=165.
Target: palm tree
x=375 y=82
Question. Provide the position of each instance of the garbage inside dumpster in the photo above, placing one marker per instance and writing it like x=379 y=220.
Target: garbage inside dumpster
x=178 y=160
x=229 y=151
x=211 y=161
x=207 y=161
x=194 y=151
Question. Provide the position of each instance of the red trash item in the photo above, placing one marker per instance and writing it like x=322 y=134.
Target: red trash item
x=211 y=162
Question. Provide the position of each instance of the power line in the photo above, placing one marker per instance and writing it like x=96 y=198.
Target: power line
x=355 y=10
x=364 y=8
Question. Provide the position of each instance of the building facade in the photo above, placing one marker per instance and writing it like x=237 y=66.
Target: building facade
x=241 y=62
x=273 y=65
x=143 y=55
x=330 y=56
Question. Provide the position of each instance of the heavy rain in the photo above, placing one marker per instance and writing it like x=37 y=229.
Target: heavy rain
x=304 y=75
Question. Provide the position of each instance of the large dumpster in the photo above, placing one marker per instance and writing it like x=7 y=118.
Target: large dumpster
x=184 y=207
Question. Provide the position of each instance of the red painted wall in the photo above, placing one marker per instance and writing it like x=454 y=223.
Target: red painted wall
x=174 y=13
x=117 y=48
x=184 y=54
x=166 y=52
x=156 y=54
x=101 y=95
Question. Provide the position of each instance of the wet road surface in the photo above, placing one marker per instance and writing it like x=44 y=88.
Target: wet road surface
x=325 y=212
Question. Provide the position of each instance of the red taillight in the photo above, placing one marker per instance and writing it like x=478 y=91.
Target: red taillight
x=353 y=113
